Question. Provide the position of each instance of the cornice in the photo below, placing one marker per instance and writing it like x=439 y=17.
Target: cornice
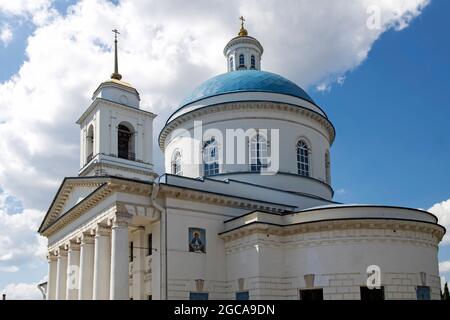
x=247 y=105
x=101 y=193
x=243 y=39
x=97 y=101
x=221 y=199
x=256 y=228
x=101 y=164
x=63 y=194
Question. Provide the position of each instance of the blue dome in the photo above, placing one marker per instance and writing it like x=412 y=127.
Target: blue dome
x=244 y=81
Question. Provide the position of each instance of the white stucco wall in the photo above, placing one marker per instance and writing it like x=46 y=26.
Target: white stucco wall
x=292 y=127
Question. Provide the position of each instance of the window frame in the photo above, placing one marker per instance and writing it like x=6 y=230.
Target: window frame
x=241 y=60
x=327 y=167
x=211 y=163
x=127 y=129
x=303 y=157
x=258 y=161
x=176 y=168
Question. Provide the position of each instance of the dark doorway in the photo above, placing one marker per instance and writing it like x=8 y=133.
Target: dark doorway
x=372 y=294
x=311 y=294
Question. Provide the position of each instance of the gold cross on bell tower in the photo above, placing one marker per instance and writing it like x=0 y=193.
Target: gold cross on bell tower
x=242 y=32
x=116 y=75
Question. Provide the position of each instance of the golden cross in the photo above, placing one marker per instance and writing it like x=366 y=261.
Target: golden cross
x=242 y=21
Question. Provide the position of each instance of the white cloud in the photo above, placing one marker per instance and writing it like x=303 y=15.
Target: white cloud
x=166 y=48
x=20 y=245
x=442 y=211
x=6 y=34
x=323 y=87
x=39 y=11
x=22 y=291
x=444 y=266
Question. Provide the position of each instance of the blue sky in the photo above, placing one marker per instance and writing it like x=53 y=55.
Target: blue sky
x=392 y=119
x=391 y=112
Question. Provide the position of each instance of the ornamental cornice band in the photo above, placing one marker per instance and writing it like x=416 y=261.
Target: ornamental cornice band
x=434 y=230
x=323 y=121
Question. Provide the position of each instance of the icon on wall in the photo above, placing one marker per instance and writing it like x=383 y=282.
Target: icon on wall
x=197 y=240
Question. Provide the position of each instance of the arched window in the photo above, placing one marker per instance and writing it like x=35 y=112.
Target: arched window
x=303 y=158
x=176 y=163
x=210 y=158
x=90 y=143
x=241 y=61
x=327 y=167
x=258 y=153
x=231 y=64
x=125 y=142
x=252 y=62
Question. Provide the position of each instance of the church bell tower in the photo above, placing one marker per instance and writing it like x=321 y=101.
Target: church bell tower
x=116 y=135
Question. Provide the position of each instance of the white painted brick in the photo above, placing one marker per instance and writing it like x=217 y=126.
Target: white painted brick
x=327 y=290
x=347 y=282
x=397 y=295
x=336 y=296
x=335 y=283
x=349 y=296
x=343 y=289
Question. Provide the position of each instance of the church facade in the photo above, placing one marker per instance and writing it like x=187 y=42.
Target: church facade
x=244 y=210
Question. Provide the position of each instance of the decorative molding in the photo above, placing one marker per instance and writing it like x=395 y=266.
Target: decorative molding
x=331 y=233
x=219 y=199
x=51 y=256
x=108 y=185
x=73 y=245
x=247 y=106
x=85 y=238
x=100 y=168
x=243 y=40
x=61 y=252
x=62 y=196
x=121 y=219
x=102 y=230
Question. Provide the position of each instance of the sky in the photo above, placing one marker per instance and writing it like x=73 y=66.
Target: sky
x=380 y=70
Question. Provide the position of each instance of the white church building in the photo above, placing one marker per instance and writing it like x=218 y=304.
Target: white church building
x=244 y=210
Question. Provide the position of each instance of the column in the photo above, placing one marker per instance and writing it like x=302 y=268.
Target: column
x=139 y=264
x=102 y=262
x=119 y=257
x=73 y=269
x=61 y=274
x=86 y=267
x=52 y=268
